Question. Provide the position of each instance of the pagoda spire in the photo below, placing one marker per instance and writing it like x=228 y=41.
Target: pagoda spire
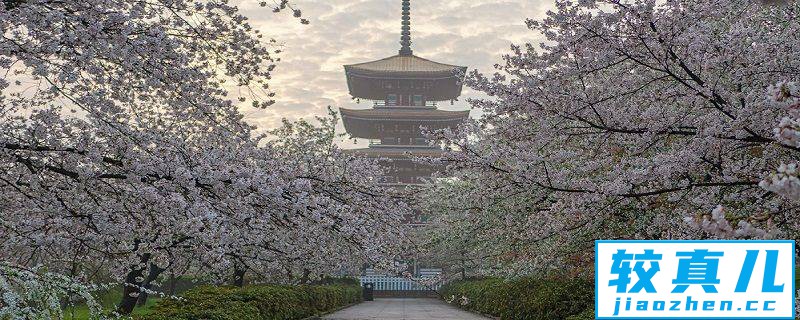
x=405 y=35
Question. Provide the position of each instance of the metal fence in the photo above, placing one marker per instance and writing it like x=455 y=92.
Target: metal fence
x=387 y=283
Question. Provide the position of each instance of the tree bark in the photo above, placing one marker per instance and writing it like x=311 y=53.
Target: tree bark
x=130 y=291
x=306 y=276
x=173 y=281
x=239 y=272
x=131 y=288
x=463 y=267
x=152 y=275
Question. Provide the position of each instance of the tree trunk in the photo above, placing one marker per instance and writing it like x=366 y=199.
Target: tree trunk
x=152 y=275
x=172 y=282
x=131 y=288
x=239 y=272
x=306 y=276
x=130 y=291
x=463 y=267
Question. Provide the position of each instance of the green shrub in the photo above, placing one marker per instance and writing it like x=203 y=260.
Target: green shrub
x=526 y=298
x=587 y=314
x=261 y=302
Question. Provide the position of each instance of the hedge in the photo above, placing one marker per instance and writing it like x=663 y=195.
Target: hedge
x=526 y=298
x=258 y=302
x=587 y=314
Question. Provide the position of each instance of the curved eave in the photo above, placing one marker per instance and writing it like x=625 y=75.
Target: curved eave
x=457 y=73
x=404 y=63
x=442 y=82
x=364 y=123
x=405 y=114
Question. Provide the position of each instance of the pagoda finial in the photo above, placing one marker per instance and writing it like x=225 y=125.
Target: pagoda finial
x=405 y=35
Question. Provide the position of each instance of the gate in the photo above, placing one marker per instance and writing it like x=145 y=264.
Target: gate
x=387 y=283
x=390 y=286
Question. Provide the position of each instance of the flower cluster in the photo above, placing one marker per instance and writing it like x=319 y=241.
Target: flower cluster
x=785 y=181
x=37 y=294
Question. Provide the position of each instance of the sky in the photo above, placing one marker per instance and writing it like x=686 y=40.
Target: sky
x=310 y=76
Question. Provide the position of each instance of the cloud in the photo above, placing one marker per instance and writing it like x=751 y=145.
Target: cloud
x=310 y=76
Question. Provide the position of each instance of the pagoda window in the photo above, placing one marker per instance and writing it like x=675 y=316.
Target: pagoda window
x=391 y=100
x=418 y=101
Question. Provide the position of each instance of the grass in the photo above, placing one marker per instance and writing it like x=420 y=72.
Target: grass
x=108 y=300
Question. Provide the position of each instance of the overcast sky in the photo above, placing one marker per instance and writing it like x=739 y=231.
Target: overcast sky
x=310 y=77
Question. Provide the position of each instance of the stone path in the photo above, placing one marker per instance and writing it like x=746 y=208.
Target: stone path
x=403 y=309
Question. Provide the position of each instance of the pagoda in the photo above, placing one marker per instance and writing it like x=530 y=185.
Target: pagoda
x=404 y=90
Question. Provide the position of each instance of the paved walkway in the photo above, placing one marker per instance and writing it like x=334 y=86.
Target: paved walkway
x=403 y=309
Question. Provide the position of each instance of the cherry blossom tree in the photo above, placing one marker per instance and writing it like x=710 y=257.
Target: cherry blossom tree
x=633 y=119
x=329 y=194
x=121 y=151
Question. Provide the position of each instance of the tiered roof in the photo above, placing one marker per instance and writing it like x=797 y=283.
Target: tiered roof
x=406 y=66
x=399 y=121
x=405 y=73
